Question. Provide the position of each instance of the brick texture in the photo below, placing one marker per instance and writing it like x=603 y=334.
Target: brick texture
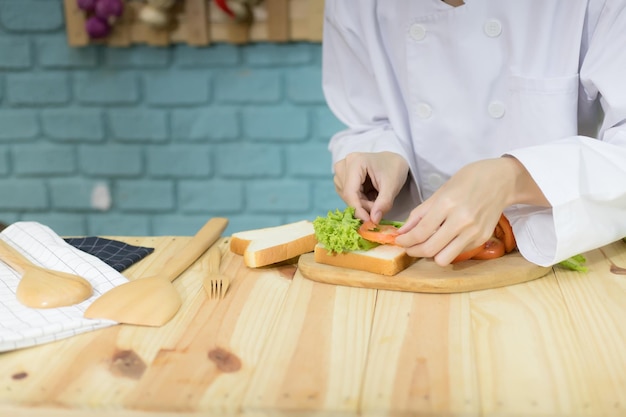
x=276 y=123
x=111 y=161
x=132 y=125
x=25 y=16
x=214 y=123
x=148 y=196
x=107 y=88
x=140 y=56
x=72 y=193
x=18 y=124
x=35 y=160
x=72 y=124
x=54 y=52
x=179 y=161
x=15 y=53
x=28 y=89
x=4 y=162
x=23 y=195
x=177 y=134
x=248 y=85
x=177 y=88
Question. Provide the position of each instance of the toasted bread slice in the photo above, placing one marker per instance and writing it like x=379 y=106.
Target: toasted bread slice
x=261 y=247
x=383 y=259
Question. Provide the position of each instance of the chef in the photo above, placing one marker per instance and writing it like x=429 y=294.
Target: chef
x=455 y=115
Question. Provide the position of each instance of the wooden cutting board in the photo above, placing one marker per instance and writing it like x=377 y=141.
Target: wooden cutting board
x=426 y=276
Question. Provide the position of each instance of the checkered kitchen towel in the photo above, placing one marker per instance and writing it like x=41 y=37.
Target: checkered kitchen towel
x=21 y=326
x=118 y=255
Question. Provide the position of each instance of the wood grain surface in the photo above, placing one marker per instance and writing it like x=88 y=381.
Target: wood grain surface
x=426 y=276
x=281 y=344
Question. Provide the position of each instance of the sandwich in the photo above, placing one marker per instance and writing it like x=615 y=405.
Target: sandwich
x=348 y=242
x=341 y=240
x=345 y=241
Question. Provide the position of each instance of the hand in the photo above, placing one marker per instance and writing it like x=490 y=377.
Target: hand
x=463 y=213
x=370 y=182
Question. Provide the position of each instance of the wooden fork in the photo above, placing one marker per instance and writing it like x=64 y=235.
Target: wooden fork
x=215 y=284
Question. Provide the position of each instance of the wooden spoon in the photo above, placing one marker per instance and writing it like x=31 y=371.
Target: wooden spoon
x=153 y=301
x=44 y=288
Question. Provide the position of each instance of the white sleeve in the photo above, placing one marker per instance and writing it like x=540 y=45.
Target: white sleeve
x=350 y=87
x=583 y=178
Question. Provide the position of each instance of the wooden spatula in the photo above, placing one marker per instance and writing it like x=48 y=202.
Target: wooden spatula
x=153 y=301
x=44 y=288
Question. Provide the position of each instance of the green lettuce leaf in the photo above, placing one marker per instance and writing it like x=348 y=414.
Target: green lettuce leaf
x=575 y=263
x=338 y=232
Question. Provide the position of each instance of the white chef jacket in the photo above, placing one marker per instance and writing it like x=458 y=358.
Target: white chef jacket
x=445 y=86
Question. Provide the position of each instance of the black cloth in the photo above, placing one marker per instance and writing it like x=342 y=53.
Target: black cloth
x=118 y=255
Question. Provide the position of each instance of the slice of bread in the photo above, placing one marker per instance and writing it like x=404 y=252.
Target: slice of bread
x=383 y=259
x=261 y=247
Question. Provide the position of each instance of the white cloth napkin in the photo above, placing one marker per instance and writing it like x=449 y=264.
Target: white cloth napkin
x=21 y=326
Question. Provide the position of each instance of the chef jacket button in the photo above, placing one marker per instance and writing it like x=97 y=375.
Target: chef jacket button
x=496 y=109
x=435 y=181
x=424 y=111
x=492 y=28
x=418 y=32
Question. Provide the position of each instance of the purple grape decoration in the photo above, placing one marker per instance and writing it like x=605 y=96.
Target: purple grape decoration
x=97 y=28
x=106 y=9
x=100 y=16
x=86 y=5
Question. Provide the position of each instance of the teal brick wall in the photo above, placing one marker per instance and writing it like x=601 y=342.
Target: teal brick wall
x=155 y=141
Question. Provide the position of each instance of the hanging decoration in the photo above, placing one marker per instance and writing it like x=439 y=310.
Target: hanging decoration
x=156 y=13
x=160 y=23
x=101 y=16
x=239 y=10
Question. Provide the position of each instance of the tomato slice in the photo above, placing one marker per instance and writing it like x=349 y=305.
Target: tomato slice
x=502 y=241
x=493 y=248
x=504 y=232
x=379 y=233
x=468 y=254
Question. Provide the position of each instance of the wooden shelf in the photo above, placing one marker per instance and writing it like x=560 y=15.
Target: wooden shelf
x=200 y=22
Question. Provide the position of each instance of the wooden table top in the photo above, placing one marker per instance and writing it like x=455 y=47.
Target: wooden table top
x=280 y=344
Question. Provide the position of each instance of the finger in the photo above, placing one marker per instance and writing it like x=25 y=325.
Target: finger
x=443 y=239
x=415 y=217
x=362 y=206
x=338 y=184
x=339 y=169
x=446 y=244
x=448 y=253
x=388 y=189
x=353 y=185
x=355 y=195
x=382 y=204
x=456 y=247
x=376 y=215
x=429 y=232
x=362 y=212
x=345 y=189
